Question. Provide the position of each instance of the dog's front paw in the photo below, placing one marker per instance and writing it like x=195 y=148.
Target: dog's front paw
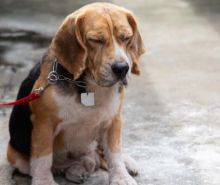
x=89 y=164
x=122 y=180
x=76 y=173
x=43 y=181
x=131 y=165
x=121 y=177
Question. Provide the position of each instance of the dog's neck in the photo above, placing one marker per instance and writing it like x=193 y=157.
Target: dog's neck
x=60 y=76
x=85 y=83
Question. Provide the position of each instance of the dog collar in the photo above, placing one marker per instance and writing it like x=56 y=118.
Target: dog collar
x=59 y=73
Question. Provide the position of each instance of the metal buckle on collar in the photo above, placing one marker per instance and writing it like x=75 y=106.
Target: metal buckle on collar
x=53 y=77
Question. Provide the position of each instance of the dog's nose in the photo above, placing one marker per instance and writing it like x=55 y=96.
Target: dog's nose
x=120 y=69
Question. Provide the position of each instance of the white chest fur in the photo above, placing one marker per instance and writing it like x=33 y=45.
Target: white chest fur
x=81 y=123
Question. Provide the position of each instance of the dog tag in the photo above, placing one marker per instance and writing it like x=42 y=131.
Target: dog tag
x=88 y=99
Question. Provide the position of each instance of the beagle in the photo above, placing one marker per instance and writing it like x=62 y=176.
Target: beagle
x=75 y=126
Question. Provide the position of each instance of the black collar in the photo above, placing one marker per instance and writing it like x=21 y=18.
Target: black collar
x=63 y=78
x=62 y=71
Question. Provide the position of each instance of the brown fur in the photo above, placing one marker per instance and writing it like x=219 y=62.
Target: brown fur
x=13 y=155
x=114 y=132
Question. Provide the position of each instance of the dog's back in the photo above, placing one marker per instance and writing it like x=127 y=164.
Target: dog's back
x=20 y=125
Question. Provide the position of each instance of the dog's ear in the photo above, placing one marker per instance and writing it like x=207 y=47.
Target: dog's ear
x=136 y=45
x=68 y=45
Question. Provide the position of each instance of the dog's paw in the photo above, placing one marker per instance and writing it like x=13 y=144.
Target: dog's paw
x=43 y=181
x=131 y=165
x=122 y=180
x=89 y=164
x=120 y=176
x=76 y=173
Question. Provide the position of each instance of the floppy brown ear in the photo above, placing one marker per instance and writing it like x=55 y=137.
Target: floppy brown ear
x=136 y=45
x=68 y=46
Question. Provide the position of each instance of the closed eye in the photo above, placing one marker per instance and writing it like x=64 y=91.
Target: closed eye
x=125 y=38
x=100 y=41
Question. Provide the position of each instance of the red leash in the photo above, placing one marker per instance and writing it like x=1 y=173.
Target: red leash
x=22 y=101
x=32 y=96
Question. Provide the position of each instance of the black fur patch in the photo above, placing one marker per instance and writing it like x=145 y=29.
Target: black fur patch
x=20 y=125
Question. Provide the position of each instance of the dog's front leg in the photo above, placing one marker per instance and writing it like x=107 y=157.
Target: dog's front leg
x=42 y=156
x=118 y=174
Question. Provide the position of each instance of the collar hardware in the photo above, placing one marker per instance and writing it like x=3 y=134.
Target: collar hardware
x=54 y=76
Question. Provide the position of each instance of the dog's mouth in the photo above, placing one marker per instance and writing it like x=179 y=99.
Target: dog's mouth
x=108 y=83
x=124 y=81
x=108 y=80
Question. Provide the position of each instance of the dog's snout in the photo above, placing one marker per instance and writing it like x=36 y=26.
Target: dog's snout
x=120 y=69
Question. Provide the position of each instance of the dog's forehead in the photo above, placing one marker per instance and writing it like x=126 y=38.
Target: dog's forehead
x=120 y=22
x=105 y=19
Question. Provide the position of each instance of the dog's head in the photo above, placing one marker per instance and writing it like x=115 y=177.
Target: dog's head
x=102 y=39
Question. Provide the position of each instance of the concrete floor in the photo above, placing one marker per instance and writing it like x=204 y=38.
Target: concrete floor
x=172 y=111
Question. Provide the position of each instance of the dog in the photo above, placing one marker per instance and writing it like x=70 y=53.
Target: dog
x=75 y=126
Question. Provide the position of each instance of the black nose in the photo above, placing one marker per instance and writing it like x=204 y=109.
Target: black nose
x=120 y=69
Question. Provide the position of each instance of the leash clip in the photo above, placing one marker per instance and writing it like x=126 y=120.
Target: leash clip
x=39 y=90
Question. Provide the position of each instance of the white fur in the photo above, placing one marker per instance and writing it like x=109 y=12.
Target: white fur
x=118 y=175
x=81 y=125
x=23 y=166
x=120 y=55
x=114 y=159
x=130 y=164
x=41 y=170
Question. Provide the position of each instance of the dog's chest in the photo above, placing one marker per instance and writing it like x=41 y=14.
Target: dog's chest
x=81 y=124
